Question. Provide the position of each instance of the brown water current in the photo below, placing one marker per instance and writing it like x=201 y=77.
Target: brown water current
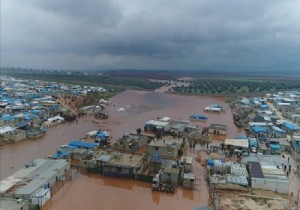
x=96 y=192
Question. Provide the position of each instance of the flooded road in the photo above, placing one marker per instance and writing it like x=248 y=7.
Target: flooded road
x=96 y=192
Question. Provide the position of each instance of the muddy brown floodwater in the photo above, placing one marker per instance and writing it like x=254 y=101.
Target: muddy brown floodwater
x=96 y=192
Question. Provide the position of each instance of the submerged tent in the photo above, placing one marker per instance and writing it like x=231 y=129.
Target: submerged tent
x=198 y=117
x=102 y=135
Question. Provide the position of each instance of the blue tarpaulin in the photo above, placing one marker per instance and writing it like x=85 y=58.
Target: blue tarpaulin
x=8 y=118
x=60 y=154
x=155 y=157
x=70 y=147
x=21 y=124
x=35 y=112
x=291 y=126
x=278 y=130
x=100 y=135
x=263 y=106
x=211 y=162
x=241 y=137
x=259 y=129
x=198 y=117
x=54 y=107
x=83 y=144
x=252 y=142
x=275 y=146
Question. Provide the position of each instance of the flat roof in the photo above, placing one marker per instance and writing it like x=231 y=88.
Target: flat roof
x=171 y=170
x=260 y=124
x=272 y=170
x=123 y=159
x=166 y=141
x=11 y=204
x=297 y=138
x=237 y=142
x=189 y=176
x=28 y=180
x=105 y=158
x=186 y=159
x=178 y=126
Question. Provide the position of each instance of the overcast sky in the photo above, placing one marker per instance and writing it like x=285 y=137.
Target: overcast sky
x=151 y=34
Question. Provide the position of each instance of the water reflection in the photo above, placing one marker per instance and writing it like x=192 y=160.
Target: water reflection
x=155 y=197
x=188 y=194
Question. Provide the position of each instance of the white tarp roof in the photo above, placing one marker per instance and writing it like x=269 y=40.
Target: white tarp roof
x=267 y=119
x=165 y=119
x=157 y=123
x=260 y=124
x=5 y=129
x=237 y=142
x=208 y=108
x=51 y=119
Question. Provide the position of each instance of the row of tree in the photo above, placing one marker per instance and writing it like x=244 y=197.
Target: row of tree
x=235 y=86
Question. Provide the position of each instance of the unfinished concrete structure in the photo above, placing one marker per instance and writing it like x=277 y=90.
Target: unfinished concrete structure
x=120 y=164
x=167 y=147
x=132 y=142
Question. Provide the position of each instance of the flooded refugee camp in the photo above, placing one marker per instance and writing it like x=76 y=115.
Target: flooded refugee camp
x=128 y=111
x=149 y=105
x=142 y=149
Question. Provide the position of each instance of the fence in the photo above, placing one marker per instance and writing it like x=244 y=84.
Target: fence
x=144 y=178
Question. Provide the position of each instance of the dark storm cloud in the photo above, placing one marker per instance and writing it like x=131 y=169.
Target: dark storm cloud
x=170 y=34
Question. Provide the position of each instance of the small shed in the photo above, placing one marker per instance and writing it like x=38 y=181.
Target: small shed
x=186 y=163
x=188 y=181
x=217 y=129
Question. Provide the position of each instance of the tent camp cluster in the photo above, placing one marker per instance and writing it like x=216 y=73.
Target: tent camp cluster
x=29 y=107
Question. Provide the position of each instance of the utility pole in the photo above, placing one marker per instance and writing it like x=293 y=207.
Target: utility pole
x=298 y=199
